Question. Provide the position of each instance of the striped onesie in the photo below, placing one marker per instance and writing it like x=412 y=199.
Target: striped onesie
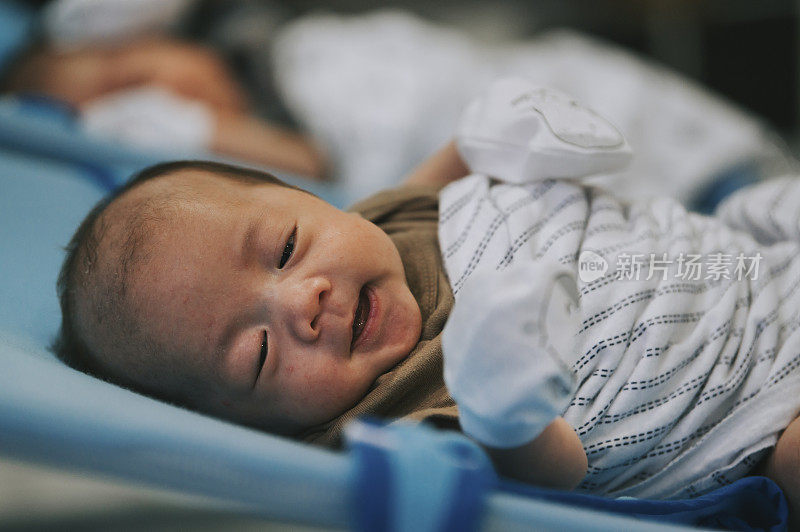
x=682 y=345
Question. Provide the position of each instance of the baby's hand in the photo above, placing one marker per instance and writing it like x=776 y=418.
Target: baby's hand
x=554 y=459
x=517 y=132
x=74 y=77
x=505 y=348
x=188 y=69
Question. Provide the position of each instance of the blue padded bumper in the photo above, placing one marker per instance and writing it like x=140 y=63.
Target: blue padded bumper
x=415 y=479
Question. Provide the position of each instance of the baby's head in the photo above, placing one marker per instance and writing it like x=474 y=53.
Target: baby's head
x=224 y=290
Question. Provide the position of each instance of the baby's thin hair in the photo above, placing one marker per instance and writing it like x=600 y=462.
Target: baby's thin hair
x=81 y=260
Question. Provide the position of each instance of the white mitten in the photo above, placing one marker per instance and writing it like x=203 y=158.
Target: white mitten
x=150 y=117
x=517 y=132
x=505 y=345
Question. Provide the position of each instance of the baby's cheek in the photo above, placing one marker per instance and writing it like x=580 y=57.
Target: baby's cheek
x=330 y=390
x=209 y=329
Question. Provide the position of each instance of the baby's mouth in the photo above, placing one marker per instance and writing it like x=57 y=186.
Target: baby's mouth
x=360 y=316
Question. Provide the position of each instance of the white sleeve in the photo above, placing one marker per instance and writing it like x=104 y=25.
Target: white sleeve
x=517 y=133
x=502 y=351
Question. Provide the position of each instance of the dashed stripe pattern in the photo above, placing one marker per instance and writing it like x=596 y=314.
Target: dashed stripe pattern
x=684 y=384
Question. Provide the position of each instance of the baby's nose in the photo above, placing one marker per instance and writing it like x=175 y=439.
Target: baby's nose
x=305 y=306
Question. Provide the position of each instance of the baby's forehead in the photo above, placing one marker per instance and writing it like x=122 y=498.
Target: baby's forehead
x=189 y=185
x=169 y=198
x=133 y=230
x=135 y=222
x=182 y=200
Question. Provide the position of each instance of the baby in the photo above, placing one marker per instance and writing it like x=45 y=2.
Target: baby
x=230 y=292
x=226 y=291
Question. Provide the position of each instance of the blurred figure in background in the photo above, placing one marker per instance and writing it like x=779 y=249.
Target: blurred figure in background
x=381 y=90
x=362 y=98
x=117 y=65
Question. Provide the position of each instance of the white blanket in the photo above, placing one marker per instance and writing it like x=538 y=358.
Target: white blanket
x=383 y=91
x=682 y=382
x=668 y=340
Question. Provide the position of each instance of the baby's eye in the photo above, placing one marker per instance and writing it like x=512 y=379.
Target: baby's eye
x=263 y=355
x=288 y=249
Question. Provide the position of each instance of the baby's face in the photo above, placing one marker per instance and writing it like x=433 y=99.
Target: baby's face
x=280 y=307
